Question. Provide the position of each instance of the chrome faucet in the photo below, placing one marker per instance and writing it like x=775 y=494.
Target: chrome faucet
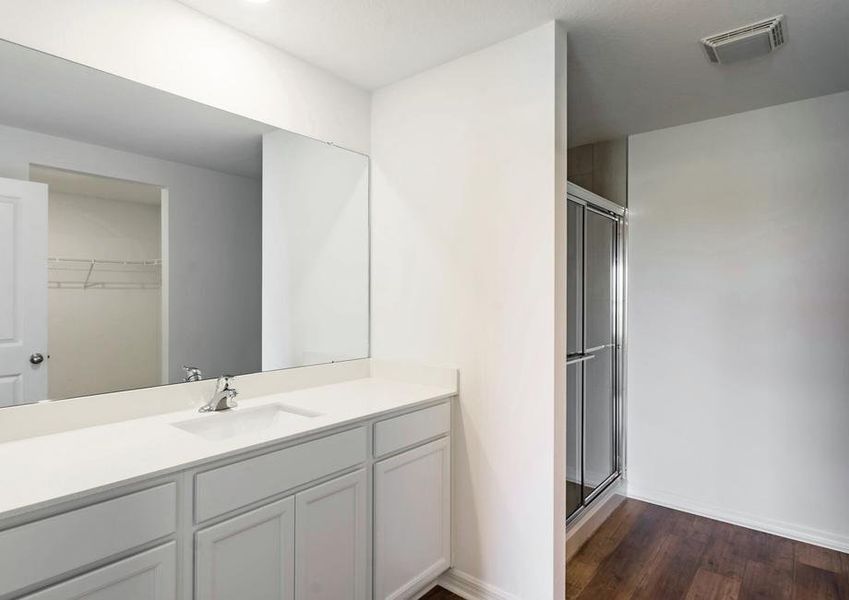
x=223 y=398
x=192 y=374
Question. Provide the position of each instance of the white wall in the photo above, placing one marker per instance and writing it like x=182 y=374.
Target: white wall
x=468 y=160
x=102 y=339
x=315 y=252
x=167 y=45
x=214 y=245
x=738 y=387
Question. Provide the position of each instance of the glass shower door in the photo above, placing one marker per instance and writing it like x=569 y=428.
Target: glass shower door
x=599 y=373
x=592 y=454
x=574 y=348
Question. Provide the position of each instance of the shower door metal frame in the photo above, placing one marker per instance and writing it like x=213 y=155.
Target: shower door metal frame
x=618 y=214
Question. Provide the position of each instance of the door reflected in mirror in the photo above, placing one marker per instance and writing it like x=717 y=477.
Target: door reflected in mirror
x=141 y=233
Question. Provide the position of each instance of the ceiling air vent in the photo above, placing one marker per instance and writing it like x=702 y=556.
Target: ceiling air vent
x=746 y=42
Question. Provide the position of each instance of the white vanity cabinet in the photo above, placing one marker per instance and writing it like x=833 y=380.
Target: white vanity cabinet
x=310 y=546
x=249 y=557
x=357 y=512
x=331 y=540
x=412 y=502
x=412 y=529
x=48 y=548
x=149 y=575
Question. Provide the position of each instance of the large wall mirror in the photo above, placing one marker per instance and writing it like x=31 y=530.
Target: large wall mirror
x=141 y=233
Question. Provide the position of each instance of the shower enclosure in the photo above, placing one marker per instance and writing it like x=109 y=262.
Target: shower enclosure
x=595 y=284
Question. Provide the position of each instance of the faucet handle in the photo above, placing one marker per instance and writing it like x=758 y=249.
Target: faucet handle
x=223 y=383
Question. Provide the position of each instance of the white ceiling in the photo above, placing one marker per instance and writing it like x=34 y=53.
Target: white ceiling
x=64 y=99
x=634 y=65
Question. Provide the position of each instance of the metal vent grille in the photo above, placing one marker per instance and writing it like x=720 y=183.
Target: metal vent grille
x=746 y=42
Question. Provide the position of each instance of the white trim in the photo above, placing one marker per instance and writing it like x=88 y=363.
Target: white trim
x=472 y=588
x=809 y=535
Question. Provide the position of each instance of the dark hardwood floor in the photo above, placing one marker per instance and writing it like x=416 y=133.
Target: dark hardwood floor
x=647 y=551
x=654 y=553
x=439 y=593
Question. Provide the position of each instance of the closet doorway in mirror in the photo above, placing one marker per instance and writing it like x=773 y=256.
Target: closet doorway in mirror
x=105 y=295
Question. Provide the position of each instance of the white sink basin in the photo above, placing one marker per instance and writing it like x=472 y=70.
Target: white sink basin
x=243 y=421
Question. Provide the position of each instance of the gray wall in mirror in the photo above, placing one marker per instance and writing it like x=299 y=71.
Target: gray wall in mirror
x=219 y=242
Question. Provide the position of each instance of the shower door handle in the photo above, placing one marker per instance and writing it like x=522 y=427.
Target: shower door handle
x=578 y=357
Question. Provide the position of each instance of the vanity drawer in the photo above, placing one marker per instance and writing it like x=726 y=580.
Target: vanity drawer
x=233 y=486
x=43 y=549
x=410 y=429
x=148 y=575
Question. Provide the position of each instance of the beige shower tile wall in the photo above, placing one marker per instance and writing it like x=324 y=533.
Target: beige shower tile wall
x=601 y=168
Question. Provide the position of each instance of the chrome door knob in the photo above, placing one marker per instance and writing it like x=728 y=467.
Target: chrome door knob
x=36 y=358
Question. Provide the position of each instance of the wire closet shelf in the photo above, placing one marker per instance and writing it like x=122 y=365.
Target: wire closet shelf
x=104 y=273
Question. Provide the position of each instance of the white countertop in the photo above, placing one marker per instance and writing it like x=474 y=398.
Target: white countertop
x=43 y=470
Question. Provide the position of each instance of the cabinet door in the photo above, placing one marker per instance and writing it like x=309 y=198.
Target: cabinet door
x=412 y=533
x=330 y=540
x=249 y=557
x=146 y=576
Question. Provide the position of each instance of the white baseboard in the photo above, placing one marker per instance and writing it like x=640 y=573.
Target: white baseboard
x=472 y=588
x=808 y=535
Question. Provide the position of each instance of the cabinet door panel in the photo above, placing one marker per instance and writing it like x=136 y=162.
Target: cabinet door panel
x=330 y=540
x=249 y=557
x=146 y=576
x=412 y=499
